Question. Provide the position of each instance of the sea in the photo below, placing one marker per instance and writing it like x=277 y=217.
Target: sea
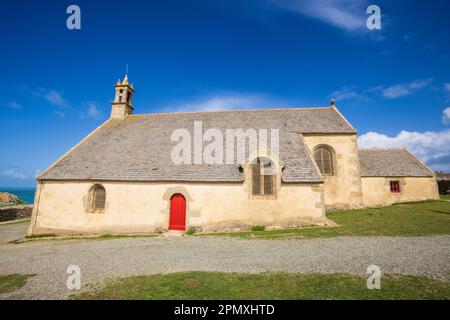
x=25 y=194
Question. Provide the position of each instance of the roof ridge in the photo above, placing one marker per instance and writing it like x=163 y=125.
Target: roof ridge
x=226 y=110
x=344 y=118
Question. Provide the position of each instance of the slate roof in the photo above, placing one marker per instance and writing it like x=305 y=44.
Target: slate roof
x=138 y=148
x=391 y=163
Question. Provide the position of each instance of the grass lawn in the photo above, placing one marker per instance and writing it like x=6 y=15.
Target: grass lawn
x=445 y=196
x=410 y=219
x=13 y=282
x=237 y=286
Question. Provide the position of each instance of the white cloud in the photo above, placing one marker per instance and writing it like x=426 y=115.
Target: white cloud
x=224 y=102
x=56 y=99
x=409 y=36
x=447 y=88
x=349 y=15
x=344 y=93
x=432 y=147
x=392 y=92
x=93 y=111
x=13 y=174
x=60 y=114
x=15 y=105
x=53 y=97
x=402 y=90
x=446 y=116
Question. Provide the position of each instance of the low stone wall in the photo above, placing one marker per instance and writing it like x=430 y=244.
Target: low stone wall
x=444 y=186
x=15 y=212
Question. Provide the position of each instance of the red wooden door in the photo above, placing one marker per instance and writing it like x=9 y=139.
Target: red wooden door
x=177 y=220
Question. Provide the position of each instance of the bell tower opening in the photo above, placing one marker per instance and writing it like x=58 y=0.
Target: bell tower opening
x=123 y=101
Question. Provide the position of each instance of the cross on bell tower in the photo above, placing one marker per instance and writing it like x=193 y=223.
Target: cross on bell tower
x=123 y=101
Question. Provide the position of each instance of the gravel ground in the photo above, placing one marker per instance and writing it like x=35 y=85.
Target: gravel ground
x=12 y=231
x=101 y=259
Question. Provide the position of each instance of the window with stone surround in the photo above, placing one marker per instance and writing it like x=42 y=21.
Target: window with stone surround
x=97 y=199
x=263 y=173
x=395 y=186
x=323 y=155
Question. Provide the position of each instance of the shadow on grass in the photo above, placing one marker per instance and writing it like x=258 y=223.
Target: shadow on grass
x=12 y=282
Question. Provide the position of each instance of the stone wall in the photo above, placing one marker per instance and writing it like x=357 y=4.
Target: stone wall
x=15 y=212
x=377 y=192
x=343 y=188
x=135 y=207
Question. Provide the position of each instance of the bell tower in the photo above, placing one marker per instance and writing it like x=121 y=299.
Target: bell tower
x=123 y=101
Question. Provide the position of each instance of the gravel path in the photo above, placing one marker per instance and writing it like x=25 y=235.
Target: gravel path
x=13 y=231
x=100 y=259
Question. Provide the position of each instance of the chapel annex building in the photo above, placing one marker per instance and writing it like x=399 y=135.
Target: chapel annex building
x=121 y=178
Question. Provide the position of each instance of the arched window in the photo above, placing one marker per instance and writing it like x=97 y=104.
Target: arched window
x=324 y=160
x=263 y=173
x=98 y=197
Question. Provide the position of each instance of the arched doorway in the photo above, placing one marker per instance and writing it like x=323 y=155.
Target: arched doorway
x=177 y=220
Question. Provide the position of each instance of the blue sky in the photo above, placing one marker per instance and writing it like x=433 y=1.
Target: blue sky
x=392 y=84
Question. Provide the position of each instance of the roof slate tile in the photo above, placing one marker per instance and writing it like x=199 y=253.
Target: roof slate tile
x=390 y=162
x=139 y=147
